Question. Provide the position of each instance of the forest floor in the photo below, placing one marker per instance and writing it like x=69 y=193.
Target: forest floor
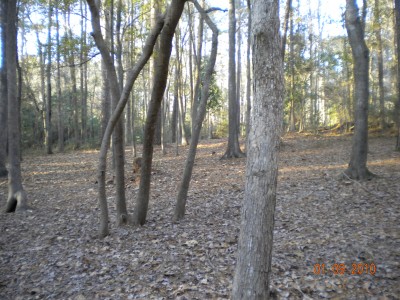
x=52 y=252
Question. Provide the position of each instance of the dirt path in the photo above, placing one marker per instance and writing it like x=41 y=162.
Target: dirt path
x=52 y=252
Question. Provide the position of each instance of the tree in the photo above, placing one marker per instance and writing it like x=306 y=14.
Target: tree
x=123 y=98
x=48 y=129
x=251 y=279
x=233 y=149
x=201 y=112
x=3 y=91
x=172 y=17
x=358 y=160
x=17 y=198
x=397 y=111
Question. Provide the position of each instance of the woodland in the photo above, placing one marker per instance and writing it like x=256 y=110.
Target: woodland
x=199 y=149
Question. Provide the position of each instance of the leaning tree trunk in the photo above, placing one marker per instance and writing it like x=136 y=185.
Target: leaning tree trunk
x=3 y=91
x=17 y=199
x=233 y=149
x=124 y=97
x=159 y=84
x=358 y=160
x=201 y=112
x=251 y=279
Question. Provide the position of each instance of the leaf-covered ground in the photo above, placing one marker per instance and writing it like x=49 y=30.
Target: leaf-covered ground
x=52 y=252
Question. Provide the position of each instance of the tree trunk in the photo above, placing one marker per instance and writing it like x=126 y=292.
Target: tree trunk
x=49 y=148
x=17 y=199
x=358 y=160
x=83 y=72
x=288 y=10
x=59 y=105
x=397 y=111
x=251 y=279
x=160 y=81
x=378 y=29
x=187 y=174
x=248 y=72
x=124 y=97
x=233 y=149
x=198 y=56
x=3 y=91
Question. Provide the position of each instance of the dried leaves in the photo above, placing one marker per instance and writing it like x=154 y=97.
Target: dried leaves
x=52 y=252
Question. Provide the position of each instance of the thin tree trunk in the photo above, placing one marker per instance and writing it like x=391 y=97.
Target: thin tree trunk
x=397 y=110
x=288 y=10
x=254 y=258
x=3 y=91
x=124 y=97
x=358 y=160
x=248 y=72
x=58 y=87
x=83 y=73
x=49 y=147
x=233 y=149
x=17 y=198
x=187 y=174
x=378 y=29
x=159 y=84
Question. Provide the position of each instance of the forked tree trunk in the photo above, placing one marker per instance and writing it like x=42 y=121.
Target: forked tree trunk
x=233 y=150
x=17 y=199
x=3 y=91
x=124 y=97
x=358 y=160
x=173 y=15
x=251 y=279
x=201 y=112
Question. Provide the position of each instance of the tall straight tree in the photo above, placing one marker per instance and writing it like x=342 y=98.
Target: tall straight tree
x=355 y=29
x=397 y=111
x=17 y=199
x=49 y=146
x=3 y=91
x=233 y=149
x=251 y=279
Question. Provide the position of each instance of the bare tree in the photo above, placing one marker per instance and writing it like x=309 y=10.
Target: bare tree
x=49 y=146
x=251 y=280
x=201 y=112
x=3 y=91
x=355 y=29
x=124 y=97
x=173 y=15
x=233 y=149
x=17 y=198
x=397 y=111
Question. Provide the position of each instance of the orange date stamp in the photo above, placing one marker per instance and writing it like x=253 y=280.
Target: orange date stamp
x=341 y=269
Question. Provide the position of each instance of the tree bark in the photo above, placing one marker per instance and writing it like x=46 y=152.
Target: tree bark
x=233 y=149
x=288 y=9
x=251 y=279
x=358 y=160
x=3 y=91
x=159 y=84
x=17 y=198
x=187 y=174
x=58 y=87
x=49 y=147
x=248 y=72
x=124 y=97
x=397 y=111
x=378 y=28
